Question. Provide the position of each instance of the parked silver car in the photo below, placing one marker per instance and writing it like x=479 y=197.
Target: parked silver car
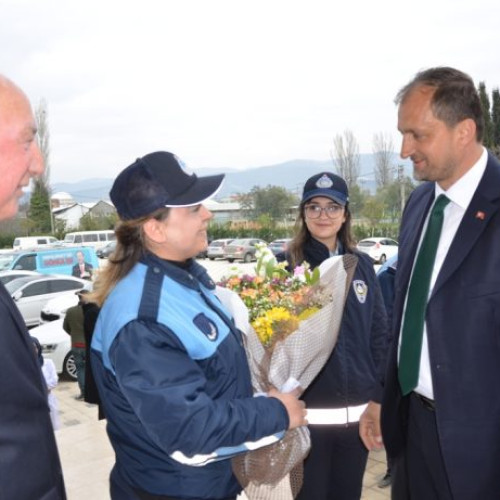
x=279 y=246
x=243 y=249
x=216 y=248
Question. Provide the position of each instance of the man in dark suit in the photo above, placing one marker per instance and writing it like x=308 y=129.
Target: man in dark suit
x=29 y=462
x=443 y=431
x=82 y=269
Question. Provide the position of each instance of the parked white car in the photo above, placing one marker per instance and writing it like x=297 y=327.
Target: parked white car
x=56 y=345
x=26 y=242
x=6 y=276
x=379 y=249
x=31 y=293
x=56 y=308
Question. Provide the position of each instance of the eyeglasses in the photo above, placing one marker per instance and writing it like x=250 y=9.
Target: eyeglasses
x=314 y=211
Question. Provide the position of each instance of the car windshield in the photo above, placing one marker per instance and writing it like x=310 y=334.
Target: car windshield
x=6 y=278
x=239 y=242
x=14 y=285
x=6 y=260
x=366 y=243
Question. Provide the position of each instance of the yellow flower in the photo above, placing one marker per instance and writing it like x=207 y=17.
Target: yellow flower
x=263 y=327
x=306 y=313
x=276 y=300
x=266 y=324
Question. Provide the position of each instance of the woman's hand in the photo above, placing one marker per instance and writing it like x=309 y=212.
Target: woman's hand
x=295 y=408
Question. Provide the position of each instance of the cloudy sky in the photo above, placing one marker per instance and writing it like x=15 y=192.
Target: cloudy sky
x=226 y=83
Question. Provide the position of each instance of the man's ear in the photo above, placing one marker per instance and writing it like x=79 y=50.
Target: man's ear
x=466 y=131
x=154 y=230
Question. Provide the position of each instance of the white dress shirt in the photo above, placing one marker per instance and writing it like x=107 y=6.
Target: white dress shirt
x=460 y=195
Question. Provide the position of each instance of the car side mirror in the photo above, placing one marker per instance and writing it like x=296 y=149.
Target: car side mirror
x=17 y=295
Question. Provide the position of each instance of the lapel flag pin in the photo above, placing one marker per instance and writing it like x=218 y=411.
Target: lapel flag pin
x=480 y=215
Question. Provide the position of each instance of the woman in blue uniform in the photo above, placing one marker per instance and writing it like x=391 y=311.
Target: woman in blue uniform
x=349 y=386
x=167 y=358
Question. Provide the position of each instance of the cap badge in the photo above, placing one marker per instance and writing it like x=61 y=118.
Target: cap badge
x=324 y=182
x=183 y=166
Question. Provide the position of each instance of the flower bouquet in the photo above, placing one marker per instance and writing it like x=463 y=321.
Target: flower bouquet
x=291 y=321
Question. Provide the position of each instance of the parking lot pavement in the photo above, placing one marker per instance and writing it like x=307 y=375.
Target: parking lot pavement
x=87 y=456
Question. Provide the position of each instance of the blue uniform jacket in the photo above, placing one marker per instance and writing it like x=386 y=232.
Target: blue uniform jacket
x=354 y=373
x=174 y=381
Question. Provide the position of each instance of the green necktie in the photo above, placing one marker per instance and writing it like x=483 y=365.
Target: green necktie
x=418 y=292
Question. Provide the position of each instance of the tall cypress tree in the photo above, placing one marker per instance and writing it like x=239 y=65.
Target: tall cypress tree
x=495 y=116
x=485 y=106
x=40 y=210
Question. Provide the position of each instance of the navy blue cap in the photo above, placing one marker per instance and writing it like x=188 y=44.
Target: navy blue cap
x=159 y=180
x=326 y=184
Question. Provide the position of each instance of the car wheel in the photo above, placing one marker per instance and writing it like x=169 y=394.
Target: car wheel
x=230 y=260
x=69 y=367
x=383 y=258
x=211 y=258
x=247 y=258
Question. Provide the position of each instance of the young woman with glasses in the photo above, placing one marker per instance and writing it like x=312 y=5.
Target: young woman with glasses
x=349 y=387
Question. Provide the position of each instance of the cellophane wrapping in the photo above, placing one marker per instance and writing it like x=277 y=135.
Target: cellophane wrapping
x=274 y=472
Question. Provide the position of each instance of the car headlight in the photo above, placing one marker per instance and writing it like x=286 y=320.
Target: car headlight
x=48 y=348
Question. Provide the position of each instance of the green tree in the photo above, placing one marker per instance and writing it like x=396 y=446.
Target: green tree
x=488 y=125
x=391 y=195
x=495 y=118
x=39 y=211
x=357 y=197
x=93 y=223
x=274 y=201
x=60 y=228
x=246 y=203
x=373 y=212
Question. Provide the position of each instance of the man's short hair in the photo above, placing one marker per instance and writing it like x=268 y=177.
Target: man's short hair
x=455 y=97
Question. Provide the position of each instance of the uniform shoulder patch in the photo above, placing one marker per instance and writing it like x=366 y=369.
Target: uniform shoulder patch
x=206 y=326
x=361 y=290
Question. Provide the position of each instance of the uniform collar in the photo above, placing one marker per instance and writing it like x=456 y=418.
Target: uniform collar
x=188 y=273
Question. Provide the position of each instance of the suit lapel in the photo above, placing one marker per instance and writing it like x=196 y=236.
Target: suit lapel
x=482 y=208
x=413 y=224
x=412 y=237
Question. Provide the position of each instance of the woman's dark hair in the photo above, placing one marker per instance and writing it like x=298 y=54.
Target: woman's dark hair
x=302 y=235
x=455 y=97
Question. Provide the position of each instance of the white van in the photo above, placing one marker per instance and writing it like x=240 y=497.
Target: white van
x=95 y=239
x=24 y=242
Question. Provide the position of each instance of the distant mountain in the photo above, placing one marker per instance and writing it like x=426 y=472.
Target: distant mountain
x=290 y=175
